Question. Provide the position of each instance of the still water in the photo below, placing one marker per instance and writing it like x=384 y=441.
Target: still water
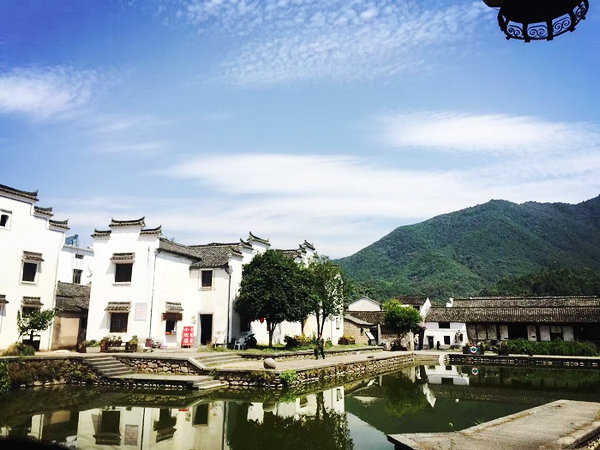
x=357 y=415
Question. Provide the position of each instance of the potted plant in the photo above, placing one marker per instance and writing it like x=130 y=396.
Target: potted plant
x=132 y=345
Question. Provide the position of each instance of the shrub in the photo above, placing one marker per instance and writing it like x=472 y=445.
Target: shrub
x=288 y=377
x=4 y=379
x=556 y=347
x=19 y=349
x=297 y=341
x=346 y=339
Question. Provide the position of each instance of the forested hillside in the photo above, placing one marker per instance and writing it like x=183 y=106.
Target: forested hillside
x=467 y=251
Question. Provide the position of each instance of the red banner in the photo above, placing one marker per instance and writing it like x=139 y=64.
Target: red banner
x=187 y=338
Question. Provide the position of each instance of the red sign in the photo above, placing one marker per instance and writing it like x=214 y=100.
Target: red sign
x=187 y=338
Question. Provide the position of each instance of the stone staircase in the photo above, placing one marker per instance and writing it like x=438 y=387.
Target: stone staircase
x=214 y=360
x=204 y=383
x=107 y=366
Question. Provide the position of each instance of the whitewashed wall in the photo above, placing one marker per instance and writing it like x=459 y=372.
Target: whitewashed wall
x=26 y=232
x=67 y=262
x=138 y=291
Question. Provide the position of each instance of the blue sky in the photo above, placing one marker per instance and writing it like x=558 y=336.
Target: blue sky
x=332 y=121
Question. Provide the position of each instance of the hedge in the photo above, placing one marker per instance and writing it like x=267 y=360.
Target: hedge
x=556 y=347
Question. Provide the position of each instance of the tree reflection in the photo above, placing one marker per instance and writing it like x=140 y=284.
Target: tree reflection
x=403 y=396
x=326 y=429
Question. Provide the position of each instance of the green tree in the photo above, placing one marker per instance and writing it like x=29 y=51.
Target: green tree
x=273 y=288
x=36 y=321
x=326 y=290
x=401 y=319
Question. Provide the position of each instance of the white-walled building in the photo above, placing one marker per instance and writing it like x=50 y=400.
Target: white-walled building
x=147 y=286
x=30 y=243
x=364 y=304
x=75 y=264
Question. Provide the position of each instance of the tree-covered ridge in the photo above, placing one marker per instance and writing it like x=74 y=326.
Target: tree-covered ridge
x=463 y=252
x=551 y=282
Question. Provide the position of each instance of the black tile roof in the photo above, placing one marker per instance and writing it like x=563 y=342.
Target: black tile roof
x=129 y=256
x=27 y=195
x=3 y=300
x=308 y=245
x=32 y=301
x=526 y=302
x=203 y=256
x=72 y=297
x=356 y=320
x=118 y=307
x=252 y=237
x=100 y=233
x=415 y=300
x=43 y=211
x=157 y=230
x=514 y=315
x=63 y=224
x=32 y=256
x=128 y=223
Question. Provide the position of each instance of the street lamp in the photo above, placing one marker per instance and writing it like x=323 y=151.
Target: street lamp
x=534 y=20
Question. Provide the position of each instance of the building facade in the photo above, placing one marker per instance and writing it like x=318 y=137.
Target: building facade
x=534 y=318
x=31 y=241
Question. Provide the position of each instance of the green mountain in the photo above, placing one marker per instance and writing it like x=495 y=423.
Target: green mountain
x=463 y=252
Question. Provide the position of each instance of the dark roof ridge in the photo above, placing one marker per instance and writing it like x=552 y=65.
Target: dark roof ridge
x=100 y=233
x=128 y=223
x=156 y=230
x=308 y=244
x=29 y=195
x=64 y=224
x=43 y=211
x=252 y=237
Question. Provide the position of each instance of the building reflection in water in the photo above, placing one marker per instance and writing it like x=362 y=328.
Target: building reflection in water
x=200 y=425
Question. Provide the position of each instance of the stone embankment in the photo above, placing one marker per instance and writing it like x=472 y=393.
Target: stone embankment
x=567 y=362
x=310 y=372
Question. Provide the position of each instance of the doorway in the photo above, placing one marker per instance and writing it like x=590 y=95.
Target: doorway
x=205 y=329
x=430 y=342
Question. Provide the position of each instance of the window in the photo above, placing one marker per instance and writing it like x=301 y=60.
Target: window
x=171 y=327
x=207 y=276
x=4 y=219
x=444 y=324
x=27 y=310
x=29 y=272
x=77 y=276
x=118 y=322
x=446 y=340
x=78 y=256
x=123 y=272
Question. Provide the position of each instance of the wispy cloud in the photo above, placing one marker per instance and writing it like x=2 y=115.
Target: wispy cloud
x=338 y=39
x=488 y=133
x=45 y=92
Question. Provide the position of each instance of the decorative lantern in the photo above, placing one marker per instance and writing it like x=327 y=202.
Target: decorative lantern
x=529 y=20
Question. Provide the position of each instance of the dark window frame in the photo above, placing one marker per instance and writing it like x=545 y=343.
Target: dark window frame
x=205 y=282
x=170 y=327
x=447 y=340
x=123 y=272
x=78 y=256
x=77 y=276
x=4 y=219
x=444 y=325
x=118 y=322
x=33 y=269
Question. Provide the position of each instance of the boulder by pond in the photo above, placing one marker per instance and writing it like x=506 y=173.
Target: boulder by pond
x=269 y=363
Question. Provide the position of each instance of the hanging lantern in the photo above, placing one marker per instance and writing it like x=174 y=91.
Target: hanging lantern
x=262 y=320
x=530 y=20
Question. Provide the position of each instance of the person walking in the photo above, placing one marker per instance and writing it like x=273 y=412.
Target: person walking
x=320 y=347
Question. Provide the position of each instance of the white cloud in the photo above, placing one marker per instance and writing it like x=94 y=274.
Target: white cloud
x=43 y=93
x=339 y=39
x=490 y=133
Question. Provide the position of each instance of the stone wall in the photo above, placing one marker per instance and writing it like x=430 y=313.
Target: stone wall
x=343 y=371
x=530 y=361
x=307 y=354
x=160 y=365
x=351 y=329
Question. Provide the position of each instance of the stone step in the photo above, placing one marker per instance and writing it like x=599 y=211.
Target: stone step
x=209 y=384
x=107 y=366
x=218 y=359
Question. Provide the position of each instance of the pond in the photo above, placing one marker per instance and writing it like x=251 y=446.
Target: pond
x=356 y=415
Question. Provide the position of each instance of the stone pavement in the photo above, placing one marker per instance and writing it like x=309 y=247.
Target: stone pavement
x=560 y=424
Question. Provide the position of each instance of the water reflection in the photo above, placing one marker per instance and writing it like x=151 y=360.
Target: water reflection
x=357 y=415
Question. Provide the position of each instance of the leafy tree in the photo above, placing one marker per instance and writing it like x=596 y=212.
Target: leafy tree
x=36 y=321
x=326 y=290
x=401 y=319
x=273 y=288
